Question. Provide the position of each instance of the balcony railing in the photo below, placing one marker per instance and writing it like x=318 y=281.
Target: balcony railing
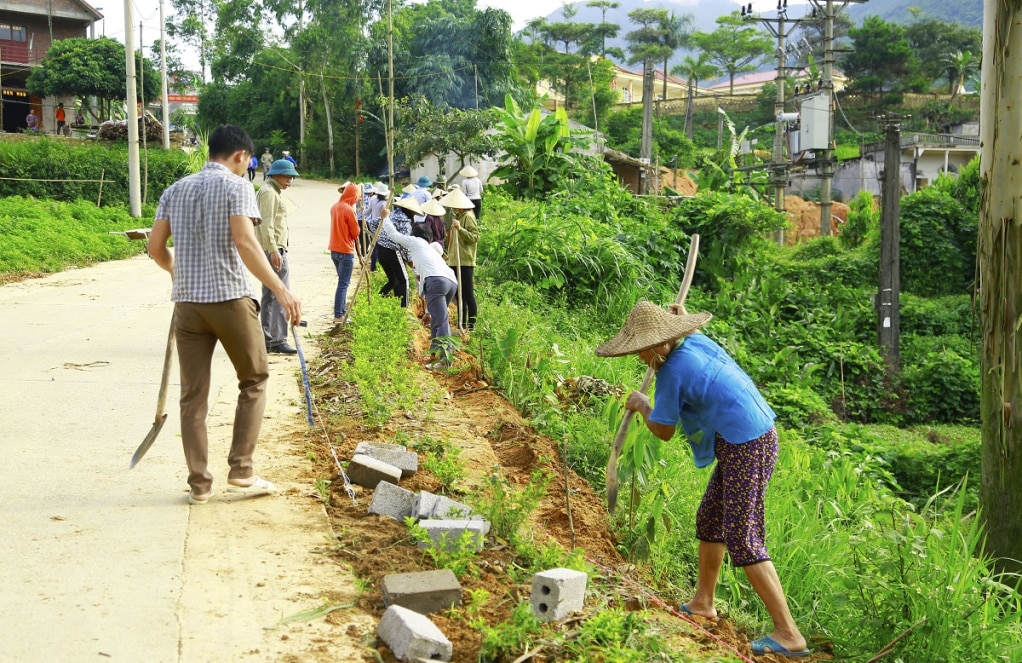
x=14 y=51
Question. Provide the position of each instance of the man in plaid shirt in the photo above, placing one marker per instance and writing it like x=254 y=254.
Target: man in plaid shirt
x=211 y=216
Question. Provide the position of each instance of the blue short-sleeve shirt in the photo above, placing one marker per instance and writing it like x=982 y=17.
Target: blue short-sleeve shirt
x=701 y=387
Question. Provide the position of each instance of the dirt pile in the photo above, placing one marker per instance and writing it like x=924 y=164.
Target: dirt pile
x=804 y=217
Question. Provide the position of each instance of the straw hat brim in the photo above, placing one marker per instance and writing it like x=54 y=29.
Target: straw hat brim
x=409 y=204
x=457 y=199
x=468 y=171
x=648 y=326
x=434 y=208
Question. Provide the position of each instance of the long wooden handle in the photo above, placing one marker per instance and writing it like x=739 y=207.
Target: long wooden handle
x=161 y=399
x=622 y=432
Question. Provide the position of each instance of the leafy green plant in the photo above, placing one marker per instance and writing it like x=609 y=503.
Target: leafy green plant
x=515 y=635
x=322 y=488
x=446 y=466
x=539 y=149
x=508 y=510
x=458 y=555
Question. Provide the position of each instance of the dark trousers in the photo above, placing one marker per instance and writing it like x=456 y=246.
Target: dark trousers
x=397 y=280
x=438 y=293
x=468 y=298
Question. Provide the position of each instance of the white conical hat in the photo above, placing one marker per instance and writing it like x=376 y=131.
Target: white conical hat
x=409 y=204
x=457 y=199
x=434 y=208
x=468 y=171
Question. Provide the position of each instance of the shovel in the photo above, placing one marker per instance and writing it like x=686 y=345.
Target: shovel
x=161 y=401
x=622 y=433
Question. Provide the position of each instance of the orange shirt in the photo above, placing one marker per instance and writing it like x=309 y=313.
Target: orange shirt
x=60 y=115
x=343 y=225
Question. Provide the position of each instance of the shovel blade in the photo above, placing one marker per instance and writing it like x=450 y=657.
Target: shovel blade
x=148 y=441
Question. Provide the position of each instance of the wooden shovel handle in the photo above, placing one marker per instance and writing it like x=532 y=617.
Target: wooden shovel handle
x=622 y=432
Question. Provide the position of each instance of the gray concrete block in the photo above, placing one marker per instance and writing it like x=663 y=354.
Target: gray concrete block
x=367 y=471
x=557 y=593
x=423 y=591
x=411 y=635
x=392 y=454
x=445 y=534
x=447 y=509
x=393 y=501
x=425 y=502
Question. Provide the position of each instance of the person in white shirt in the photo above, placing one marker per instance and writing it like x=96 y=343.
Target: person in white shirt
x=472 y=187
x=437 y=283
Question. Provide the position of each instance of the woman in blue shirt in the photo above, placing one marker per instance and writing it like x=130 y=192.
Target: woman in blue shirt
x=724 y=416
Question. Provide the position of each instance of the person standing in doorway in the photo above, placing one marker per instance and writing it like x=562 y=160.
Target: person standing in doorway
x=472 y=187
x=344 y=232
x=61 y=117
x=273 y=237
x=210 y=216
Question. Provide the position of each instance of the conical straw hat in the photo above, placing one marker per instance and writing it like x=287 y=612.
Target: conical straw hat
x=648 y=326
x=409 y=204
x=434 y=208
x=457 y=199
x=409 y=188
x=468 y=171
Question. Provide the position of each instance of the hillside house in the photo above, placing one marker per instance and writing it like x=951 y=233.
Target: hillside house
x=27 y=28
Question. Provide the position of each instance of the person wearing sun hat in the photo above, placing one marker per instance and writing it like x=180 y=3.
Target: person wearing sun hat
x=472 y=186
x=462 y=238
x=390 y=253
x=435 y=212
x=723 y=415
x=273 y=236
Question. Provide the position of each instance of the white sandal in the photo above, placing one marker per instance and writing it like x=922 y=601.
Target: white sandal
x=258 y=486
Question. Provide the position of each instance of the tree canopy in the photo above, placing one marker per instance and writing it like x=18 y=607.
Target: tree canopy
x=91 y=67
x=736 y=46
x=882 y=59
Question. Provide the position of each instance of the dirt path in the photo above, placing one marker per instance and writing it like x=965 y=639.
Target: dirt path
x=99 y=561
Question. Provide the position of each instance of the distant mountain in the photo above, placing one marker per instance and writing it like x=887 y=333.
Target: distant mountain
x=966 y=12
x=705 y=13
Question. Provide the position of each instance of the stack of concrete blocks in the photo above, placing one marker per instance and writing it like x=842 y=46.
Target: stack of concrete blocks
x=557 y=593
x=376 y=462
x=409 y=597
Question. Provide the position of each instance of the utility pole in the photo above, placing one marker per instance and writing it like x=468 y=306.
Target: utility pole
x=134 y=188
x=779 y=164
x=390 y=93
x=889 y=319
x=164 y=99
x=646 y=143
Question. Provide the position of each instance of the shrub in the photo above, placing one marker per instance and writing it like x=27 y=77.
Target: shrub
x=936 y=256
x=71 y=163
x=942 y=386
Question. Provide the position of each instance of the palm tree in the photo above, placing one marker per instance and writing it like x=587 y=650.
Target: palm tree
x=676 y=33
x=694 y=70
x=961 y=67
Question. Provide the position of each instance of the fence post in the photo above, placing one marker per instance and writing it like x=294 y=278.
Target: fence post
x=100 y=198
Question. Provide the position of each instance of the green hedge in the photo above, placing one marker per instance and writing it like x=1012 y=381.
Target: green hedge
x=72 y=162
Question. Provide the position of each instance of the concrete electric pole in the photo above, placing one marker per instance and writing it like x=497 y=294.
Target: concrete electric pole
x=889 y=318
x=134 y=178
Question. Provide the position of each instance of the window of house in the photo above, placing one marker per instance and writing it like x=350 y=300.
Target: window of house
x=10 y=32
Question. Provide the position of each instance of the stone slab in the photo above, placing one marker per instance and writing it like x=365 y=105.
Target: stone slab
x=368 y=471
x=392 y=454
x=411 y=636
x=391 y=500
x=423 y=591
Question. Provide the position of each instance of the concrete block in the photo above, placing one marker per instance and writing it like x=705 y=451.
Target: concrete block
x=423 y=591
x=557 y=593
x=447 y=509
x=445 y=534
x=411 y=635
x=393 y=454
x=367 y=471
x=393 y=501
x=425 y=502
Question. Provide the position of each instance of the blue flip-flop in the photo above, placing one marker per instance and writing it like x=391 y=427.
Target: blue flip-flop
x=767 y=645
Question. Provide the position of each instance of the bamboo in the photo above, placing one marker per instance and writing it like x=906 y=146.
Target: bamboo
x=99 y=199
x=457 y=274
x=619 y=440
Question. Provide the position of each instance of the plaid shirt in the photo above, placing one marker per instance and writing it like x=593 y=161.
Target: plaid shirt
x=207 y=266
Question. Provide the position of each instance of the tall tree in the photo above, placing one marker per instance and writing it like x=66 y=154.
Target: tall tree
x=646 y=45
x=933 y=40
x=677 y=33
x=1000 y=294
x=605 y=30
x=191 y=23
x=736 y=46
x=694 y=70
x=882 y=59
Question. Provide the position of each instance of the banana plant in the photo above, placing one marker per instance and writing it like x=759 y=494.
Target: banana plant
x=538 y=150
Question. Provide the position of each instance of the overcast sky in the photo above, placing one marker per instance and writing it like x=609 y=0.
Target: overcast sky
x=148 y=12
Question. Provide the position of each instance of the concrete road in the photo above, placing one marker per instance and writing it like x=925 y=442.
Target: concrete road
x=101 y=562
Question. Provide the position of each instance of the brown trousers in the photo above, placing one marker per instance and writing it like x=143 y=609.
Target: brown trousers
x=198 y=327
